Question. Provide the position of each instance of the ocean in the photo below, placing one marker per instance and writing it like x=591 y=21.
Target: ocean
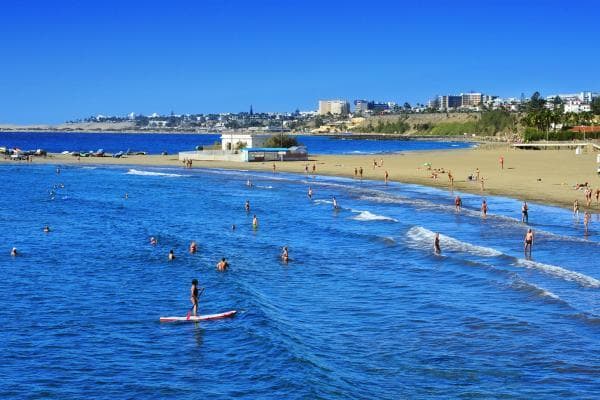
x=364 y=309
x=156 y=143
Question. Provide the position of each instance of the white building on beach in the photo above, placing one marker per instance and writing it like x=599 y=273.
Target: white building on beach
x=234 y=141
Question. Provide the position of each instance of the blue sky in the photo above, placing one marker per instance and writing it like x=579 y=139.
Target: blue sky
x=63 y=60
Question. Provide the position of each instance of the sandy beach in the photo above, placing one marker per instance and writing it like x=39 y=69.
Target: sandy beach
x=546 y=176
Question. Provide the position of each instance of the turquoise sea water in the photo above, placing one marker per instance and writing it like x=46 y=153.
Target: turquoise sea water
x=363 y=310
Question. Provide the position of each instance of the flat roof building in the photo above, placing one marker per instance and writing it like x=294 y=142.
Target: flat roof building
x=334 y=107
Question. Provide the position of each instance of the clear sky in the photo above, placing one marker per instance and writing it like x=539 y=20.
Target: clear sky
x=66 y=59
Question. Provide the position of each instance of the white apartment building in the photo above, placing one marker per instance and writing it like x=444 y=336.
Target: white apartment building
x=335 y=107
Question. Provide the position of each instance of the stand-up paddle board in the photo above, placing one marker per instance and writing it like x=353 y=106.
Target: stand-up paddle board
x=192 y=318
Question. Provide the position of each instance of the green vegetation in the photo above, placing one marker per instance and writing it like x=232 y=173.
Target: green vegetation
x=398 y=126
x=533 y=135
x=452 y=128
x=284 y=141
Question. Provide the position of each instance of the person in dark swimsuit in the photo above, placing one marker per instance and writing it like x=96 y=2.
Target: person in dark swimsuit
x=436 y=244
x=247 y=206
x=525 y=213
x=528 y=242
x=194 y=296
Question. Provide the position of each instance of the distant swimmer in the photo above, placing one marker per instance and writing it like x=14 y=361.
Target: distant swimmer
x=193 y=247
x=576 y=208
x=310 y=193
x=194 y=294
x=285 y=256
x=484 y=208
x=222 y=265
x=58 y=170
x=457 y=203
x=254 y=222
x=586 y=220
x=247 y=206
x=335 y=203
x=46 y=229
x=436 y=244
x=153 y=241
x=13 y=252
x=524 y=213
x=233 y=227
x=249 y=183
x=171 y=255
x=126 y=196
x=528 y=241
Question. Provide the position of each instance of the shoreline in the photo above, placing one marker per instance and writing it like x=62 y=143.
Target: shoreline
x=541 y=176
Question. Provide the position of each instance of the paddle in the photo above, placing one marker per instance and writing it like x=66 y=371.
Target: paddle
x=189 y=313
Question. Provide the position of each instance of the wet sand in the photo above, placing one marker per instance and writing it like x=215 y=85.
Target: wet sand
x=545 y=176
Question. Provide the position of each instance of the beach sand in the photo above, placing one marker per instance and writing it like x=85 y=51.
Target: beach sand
x=545 y=176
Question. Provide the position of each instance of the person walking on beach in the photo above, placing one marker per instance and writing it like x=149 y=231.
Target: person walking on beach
x=247 y=206
x=314 y=168
x=306 y=169
x=310 y=193
x=355 y=172
x=360 y=173
x=437 y=250
x=482 y=185
x=450 y=178
x=525 y=213
x=386 y=177
x=476 y=174
x=254 y=222
x=576 y=208
x=194 y=295
x=274 y=167
x=457 y=203
x=528 y=242
x=501 y=162
x=222 y=265
x=484 y=208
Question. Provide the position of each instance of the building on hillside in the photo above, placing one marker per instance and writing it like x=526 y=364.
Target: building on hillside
x=361 y=106
x=334 y=107
x=471 y=99
x=582 y=97
x=449 y=102
x=577 y=107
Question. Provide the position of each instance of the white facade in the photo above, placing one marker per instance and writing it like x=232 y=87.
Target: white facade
x=232 y=141
x=335 y=107
x=577 y=107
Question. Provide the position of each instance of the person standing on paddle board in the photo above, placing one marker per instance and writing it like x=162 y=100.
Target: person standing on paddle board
x=194 y=297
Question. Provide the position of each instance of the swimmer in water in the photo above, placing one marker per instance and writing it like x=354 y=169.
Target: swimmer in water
x=247 y=206
x=171 y=255
x=457 y=203
x=193 y=247
x=285 y=256
x=13 y=252
x=528 y=242
x=126 y=196
x=525 y=213
x=47 y=229
x=335 y=204
x=153 y=241
x=222 y=265
x=254 y=222
x=249 y=183
x=484 y=208
x=194 y=294
x=436 y=244
x=233 y=227
x=310 y=192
